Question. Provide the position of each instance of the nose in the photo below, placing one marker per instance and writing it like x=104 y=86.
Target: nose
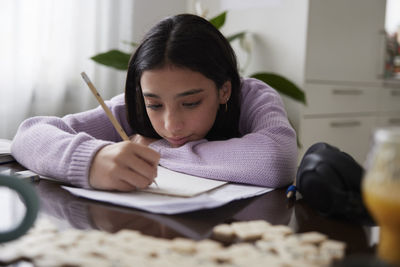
x=173 y=122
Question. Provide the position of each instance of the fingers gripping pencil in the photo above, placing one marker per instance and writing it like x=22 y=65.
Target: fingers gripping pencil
x=113 y=120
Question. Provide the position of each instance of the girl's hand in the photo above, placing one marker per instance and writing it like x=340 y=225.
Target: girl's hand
x=140 y=139
x=123 y=166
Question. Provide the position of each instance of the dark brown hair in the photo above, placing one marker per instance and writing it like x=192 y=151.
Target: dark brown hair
x=185 y=41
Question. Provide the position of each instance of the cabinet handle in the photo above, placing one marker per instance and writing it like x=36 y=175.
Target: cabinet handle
x=349 y=91
x=395 y=93
x=341 y=124
x=394 y=121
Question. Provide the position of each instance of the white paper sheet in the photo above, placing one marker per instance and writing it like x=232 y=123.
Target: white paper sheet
x=5 y=151
x=5 y=146
x=164 y=204
x=182 y=185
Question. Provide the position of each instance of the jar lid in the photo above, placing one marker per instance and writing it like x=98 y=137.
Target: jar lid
x=389 y=134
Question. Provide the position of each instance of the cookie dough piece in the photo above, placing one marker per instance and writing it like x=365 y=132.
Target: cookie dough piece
x=251 y=230
x=223 y=233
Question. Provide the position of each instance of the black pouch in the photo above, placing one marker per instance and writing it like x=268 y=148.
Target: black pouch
x=329 y=180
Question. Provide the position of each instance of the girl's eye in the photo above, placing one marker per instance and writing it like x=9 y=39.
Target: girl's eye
x=154 y=106
x=191 y=104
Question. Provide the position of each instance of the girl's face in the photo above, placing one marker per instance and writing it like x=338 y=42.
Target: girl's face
x=182 y=104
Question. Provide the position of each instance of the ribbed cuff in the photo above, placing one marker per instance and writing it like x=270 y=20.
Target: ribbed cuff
x=78 y=170
x=159 y=145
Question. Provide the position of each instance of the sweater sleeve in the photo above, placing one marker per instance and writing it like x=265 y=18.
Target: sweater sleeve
x=265 y=154
x=63 y=148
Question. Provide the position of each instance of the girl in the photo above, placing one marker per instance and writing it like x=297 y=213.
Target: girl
x=185 y=108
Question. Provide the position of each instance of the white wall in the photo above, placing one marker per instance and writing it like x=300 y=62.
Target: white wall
x=392 y=23
x=146 y=13
x=46 y=46
x=149 y=12
x=278 y=41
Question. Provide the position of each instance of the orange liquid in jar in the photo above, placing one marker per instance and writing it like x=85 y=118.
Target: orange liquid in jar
x=383 y=201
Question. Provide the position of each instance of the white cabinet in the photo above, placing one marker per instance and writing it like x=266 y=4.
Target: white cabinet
x=346 y=116
x=351 y=134
x=341 y=115
x=389 y=120
x=343 y=76
x=334 y=50
x=389 y=106
x=390 y=98
x=328 y=99
x=346 y=40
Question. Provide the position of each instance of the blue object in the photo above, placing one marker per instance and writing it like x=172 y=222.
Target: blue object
x=292 y=189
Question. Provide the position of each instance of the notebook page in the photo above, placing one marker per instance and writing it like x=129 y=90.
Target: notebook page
x=164 y=204
x=5 y=151
x=182 y=185
x=5 y=146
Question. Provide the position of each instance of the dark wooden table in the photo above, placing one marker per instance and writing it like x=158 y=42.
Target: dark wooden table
x=72 y=211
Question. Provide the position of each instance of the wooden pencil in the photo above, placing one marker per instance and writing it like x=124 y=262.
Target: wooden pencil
x=113 y=120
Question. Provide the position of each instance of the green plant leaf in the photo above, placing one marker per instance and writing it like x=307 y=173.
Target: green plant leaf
x=113 y=58
x=282 y=85
x=239 y=35
x=219 y=20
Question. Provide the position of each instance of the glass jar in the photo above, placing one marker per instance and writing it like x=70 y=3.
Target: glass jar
x=381 y=191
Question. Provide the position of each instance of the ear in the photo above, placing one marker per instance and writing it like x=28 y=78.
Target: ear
x=224 y=93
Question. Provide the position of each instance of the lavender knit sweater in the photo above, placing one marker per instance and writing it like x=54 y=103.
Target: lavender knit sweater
x=265 y=155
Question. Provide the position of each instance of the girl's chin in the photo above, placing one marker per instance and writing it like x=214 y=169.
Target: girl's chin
x=182 y=141
x=175 y=146
x=177 y=142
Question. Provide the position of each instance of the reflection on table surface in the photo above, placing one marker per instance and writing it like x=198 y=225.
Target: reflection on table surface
x=12 y=209
x=69 y=211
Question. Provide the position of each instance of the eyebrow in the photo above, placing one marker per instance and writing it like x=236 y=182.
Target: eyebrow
x=186 y=93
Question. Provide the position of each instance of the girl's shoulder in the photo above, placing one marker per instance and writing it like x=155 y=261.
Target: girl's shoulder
x=118 y=99
x=254 y=86
x=117 y=102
